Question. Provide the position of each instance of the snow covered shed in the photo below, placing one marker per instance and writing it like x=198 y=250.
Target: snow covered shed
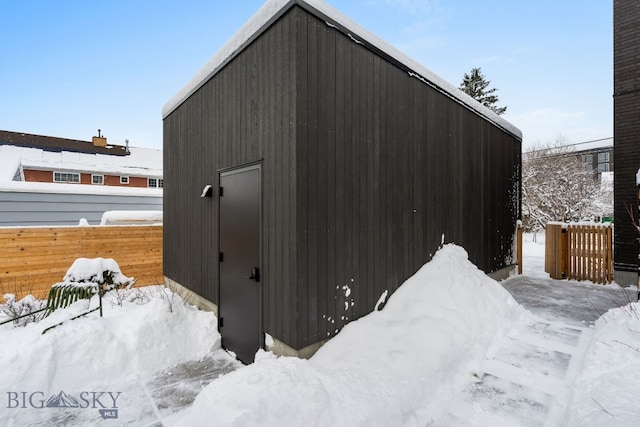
x=310 y=167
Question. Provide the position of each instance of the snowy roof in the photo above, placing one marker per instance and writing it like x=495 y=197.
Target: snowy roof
x=54 y=143
x=146 y=162
x=605 y=143
x=61 y=188
x=273 y=9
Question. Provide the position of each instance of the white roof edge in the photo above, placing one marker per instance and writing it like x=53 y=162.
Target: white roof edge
x=83 y=189
x=268 y=10
x=273 y=7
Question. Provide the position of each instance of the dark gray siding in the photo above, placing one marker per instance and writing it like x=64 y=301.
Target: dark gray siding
x=364 y=168
x=245 y=113
x=626 y=142
x=386 y=166
x=30 y=208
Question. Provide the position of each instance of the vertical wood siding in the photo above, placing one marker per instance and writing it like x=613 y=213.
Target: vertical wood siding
x=364 y=169
x=626 y=148
x=386 y=165
x=245 y=113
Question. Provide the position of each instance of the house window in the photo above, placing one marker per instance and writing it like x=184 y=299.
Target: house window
x=124 y=180
x=155 y=183
x=97 y=179
x=603 y=158
x=587 y=158
x=69 y=177
x=603 y=167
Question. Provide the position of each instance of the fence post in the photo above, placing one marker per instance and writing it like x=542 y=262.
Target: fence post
x=556 y=251
x=572 y=248
x=519 y=248
x=564 y=251
x=609 y=254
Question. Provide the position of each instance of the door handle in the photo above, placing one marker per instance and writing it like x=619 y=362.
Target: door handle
x=255 y=274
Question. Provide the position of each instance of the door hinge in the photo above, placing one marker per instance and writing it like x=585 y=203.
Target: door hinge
x=255 y=274
x=221 y=256
x=221 y=191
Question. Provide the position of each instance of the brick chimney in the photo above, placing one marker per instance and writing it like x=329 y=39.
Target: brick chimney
x=99 y=141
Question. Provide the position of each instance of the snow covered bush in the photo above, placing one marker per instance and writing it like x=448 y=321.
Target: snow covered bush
x=13 y=308
x=139 y=296
x=557 y=187
x=87 y=277
x=101 y=271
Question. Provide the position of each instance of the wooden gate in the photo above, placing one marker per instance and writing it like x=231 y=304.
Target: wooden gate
x=579 y=252
x=590 y=253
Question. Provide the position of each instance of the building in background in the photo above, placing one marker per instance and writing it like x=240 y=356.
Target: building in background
x=626 y=133
x=55 y=181
x=37 y=158
x=596 y=155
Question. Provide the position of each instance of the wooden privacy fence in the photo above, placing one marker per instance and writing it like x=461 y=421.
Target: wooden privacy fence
x=579 y=252
x=34 y=258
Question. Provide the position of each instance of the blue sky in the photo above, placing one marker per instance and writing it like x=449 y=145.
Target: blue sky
x=70 y=67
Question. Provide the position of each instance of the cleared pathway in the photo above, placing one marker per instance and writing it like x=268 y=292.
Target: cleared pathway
x=528 y=381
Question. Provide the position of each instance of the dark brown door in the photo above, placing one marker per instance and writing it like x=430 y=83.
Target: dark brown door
x=240 y=316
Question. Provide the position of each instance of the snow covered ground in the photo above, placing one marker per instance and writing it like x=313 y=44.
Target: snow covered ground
x=450 y=348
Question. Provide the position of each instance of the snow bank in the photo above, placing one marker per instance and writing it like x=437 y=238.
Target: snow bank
x=391 y=367
x=606 y=390
x=83 y=354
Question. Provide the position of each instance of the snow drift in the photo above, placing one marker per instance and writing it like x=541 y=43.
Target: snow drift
x=130 y=339
x=604 y=392
x=403 y=361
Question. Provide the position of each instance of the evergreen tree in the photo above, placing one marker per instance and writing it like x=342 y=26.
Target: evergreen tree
x=475 y=85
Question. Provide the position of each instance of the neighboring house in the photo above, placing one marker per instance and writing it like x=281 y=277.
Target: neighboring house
x=597 y=156
x=36 y=158
x=42 y=177
x=310 y=168
x=626 y=133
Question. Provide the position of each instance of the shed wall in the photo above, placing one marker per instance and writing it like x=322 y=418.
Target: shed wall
x=245 y=113
x=364 y=168
x=386 y=166
x=626 y=147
